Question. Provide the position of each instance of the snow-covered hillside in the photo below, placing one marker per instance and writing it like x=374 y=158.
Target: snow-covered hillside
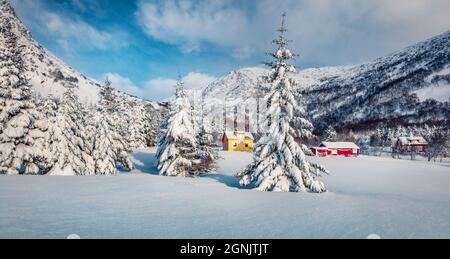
x=368 y=195
x=407 y=87
x=45 y=71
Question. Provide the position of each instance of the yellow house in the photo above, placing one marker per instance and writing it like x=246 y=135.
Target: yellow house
x=238 y=141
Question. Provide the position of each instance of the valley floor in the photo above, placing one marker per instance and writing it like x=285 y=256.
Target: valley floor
x=368 y=195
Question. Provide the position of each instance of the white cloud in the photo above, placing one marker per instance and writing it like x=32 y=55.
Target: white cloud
x=162 y=88
x=335 y=32
x=123 y=84
x=68 y=31
x=323 y=31
x=194 y=80
x=190 y=23
x=158 y=88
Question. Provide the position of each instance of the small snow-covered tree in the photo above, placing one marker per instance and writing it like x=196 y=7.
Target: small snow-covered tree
x=19 y=134
x=177 y=146
x=138 y=124
x=206 y=151
x=438 y=139
x=153 y=120
x=279 y=162
x=329 y=134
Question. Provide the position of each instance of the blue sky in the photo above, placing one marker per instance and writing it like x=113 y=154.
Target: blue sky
x=143 y=45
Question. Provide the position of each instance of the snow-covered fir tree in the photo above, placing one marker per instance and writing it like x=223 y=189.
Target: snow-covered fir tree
x=177 y=152
x=131 y=119
x=152 y=125
x=109 y=146
x=279 y=162
x=104 y=153
x=67 y=138
x=90 y=125
x=329 y=134
x=48 y=110
x=138 y=123
x=20 y=148
x=438 y=139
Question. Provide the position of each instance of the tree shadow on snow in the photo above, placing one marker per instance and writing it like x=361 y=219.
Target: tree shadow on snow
x=228 y=180
x=145 y=162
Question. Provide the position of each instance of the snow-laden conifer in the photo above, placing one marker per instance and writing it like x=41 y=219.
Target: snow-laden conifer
x=109 y=146
x=67 y=138
x=20 y=135
x=279 y=162
x=329 y=134
x=177 y=153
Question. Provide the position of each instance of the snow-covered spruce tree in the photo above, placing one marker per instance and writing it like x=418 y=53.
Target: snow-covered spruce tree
x=438 y=139
x=329 y=134
x=103 y=153
x=279 y=162
x=48 y=109
x=121 y=118
x=19 y=135
x=131 y=121
x=90 y=120
x=139 y=122
x=67 y=138
x=152 y=125
x=177 y=152
x=109 y=147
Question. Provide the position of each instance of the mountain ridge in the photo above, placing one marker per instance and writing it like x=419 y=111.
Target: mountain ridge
x=383 y=92
x=47 y=72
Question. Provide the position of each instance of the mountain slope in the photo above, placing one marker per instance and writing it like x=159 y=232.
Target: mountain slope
x=391 y=90
x=45 y=71
x=385 y=90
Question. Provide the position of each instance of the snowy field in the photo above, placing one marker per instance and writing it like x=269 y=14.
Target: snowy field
x=368 y=195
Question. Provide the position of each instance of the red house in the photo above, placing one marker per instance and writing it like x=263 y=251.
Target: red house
x=336 y=149
x=410 y=144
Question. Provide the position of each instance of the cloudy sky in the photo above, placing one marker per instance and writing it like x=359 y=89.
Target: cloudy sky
x=143 y=45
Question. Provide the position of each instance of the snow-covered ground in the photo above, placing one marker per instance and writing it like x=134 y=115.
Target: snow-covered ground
x=440 y=93
x=368 y=195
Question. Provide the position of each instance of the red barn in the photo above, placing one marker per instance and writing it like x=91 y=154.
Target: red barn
x=336 y=149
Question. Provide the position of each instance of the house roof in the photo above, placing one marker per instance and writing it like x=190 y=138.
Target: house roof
x=410 y=140
x=339 y=145
x=238 y=135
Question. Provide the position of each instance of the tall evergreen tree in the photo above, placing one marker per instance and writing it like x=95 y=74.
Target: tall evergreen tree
x=153 y=120
x=68 y=138
x=48 y=109
x=109 y=145
x=138 y=124
x=104 y=150
x=279 y=162
x=177 y=146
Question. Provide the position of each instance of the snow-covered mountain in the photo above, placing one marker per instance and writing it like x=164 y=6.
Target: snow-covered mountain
x=411 y=86
x=45 y=71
